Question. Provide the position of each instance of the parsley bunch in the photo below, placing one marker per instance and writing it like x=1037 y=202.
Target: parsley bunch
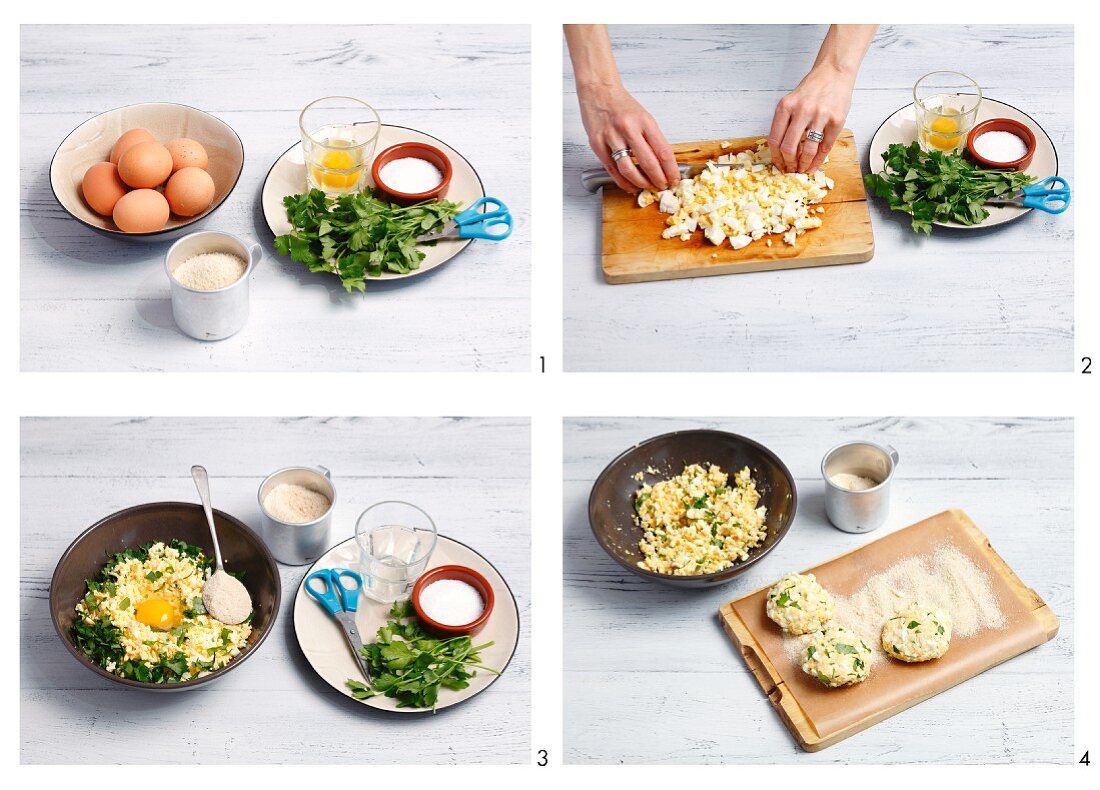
x=408 y=665
x=359 y=236
x=935 y=186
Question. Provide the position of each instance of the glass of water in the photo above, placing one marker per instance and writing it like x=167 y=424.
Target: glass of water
x=396 y=541
x=339 y=135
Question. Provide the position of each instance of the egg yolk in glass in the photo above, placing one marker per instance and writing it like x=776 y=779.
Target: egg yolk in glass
x=333 y=160
x=157 y=613
x=944 y=137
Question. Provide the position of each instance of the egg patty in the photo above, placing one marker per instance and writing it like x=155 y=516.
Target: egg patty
x=917 y=633
x=697 y=522
x=837 y=657
x=741 y=198
x=798 y=604
x=143 y=618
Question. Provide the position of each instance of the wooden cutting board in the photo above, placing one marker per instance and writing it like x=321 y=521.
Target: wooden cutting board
x=818 y=716
x=633 y=250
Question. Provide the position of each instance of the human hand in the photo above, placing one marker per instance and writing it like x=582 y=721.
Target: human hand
x=615 y=120
x=821 y=103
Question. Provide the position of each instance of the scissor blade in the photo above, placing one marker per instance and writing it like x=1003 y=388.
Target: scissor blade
x=355 y=641
x=450 y=233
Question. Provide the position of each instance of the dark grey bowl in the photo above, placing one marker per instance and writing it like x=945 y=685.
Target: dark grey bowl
x=611 y=503
x=242 y=550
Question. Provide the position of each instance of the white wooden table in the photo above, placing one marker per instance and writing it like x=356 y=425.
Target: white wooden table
x=472 y=475
x=967 y=300
x=650 y=676
x=93 y=303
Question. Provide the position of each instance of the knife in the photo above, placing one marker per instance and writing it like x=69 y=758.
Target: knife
x=596 y=178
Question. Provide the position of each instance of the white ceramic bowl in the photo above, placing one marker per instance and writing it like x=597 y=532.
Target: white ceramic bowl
x=92 y=141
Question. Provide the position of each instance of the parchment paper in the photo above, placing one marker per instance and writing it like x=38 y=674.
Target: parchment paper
x=894 y=682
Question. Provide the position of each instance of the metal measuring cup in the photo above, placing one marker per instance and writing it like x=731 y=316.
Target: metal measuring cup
x=211 y=315
x=861 y=510
x=303 y=543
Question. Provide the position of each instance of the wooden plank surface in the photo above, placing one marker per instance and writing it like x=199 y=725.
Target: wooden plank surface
x=957 y=301
x=800 y=704
x=639 y=652
x=633 y=250
x=92 y=303
x=472 y=475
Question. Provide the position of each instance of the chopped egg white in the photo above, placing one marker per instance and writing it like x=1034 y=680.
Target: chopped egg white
x=741 y=198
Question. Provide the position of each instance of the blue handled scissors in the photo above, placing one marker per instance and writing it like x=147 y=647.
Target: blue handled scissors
x=341 y=601
x=494 y=224
x=1050 y=195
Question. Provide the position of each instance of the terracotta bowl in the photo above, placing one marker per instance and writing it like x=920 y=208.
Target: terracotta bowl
x=462 y=574
x=92 y=141
x=429 y=153
x=242 y=550
x=611 y=503
x=1002 y=125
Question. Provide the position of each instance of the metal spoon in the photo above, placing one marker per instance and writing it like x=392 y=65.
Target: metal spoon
x=224 y=597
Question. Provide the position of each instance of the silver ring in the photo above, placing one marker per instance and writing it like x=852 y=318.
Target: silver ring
x=617 y=155
x=814 y=136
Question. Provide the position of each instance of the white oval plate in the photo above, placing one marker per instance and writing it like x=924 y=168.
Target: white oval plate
x=288 y=177
x=901 y=127
x=322 y=640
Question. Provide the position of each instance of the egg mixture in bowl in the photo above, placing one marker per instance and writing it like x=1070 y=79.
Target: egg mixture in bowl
x=699 y=521
x=143 y=618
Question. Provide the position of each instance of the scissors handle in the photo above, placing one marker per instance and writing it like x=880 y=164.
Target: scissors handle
x=1051 y=195
x=327 y=596
x=336 y=595
x=494 y=224
x=349 y=594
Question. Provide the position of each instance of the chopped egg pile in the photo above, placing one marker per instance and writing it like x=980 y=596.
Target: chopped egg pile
x=700 y=521
x=741 y=198
x=143 y=618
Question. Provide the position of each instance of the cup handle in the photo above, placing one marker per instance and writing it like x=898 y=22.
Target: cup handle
x=893 y=454
x=328 y=474
x=255 y=254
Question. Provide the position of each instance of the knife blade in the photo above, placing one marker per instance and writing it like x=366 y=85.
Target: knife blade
x=596 y=178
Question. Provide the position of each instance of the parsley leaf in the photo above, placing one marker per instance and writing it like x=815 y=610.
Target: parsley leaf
x=938 y=186
x=410 y=666
x=359 y=236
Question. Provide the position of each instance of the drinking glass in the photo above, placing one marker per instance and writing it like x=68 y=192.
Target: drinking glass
x=946 y=104
x=339 y=135
x=395 y=540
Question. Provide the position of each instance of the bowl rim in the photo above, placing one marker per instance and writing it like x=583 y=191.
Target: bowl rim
x=701 y=577
x=186 y=684
x=147 y=234
x=984 y=126
x=433 y=193
x=428 y=577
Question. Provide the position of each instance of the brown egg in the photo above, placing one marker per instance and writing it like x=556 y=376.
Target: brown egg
x=186 y=153
x=141 y=211
x=145 y=165
x=189 y=191
x=128 y=140
x=102 y=188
